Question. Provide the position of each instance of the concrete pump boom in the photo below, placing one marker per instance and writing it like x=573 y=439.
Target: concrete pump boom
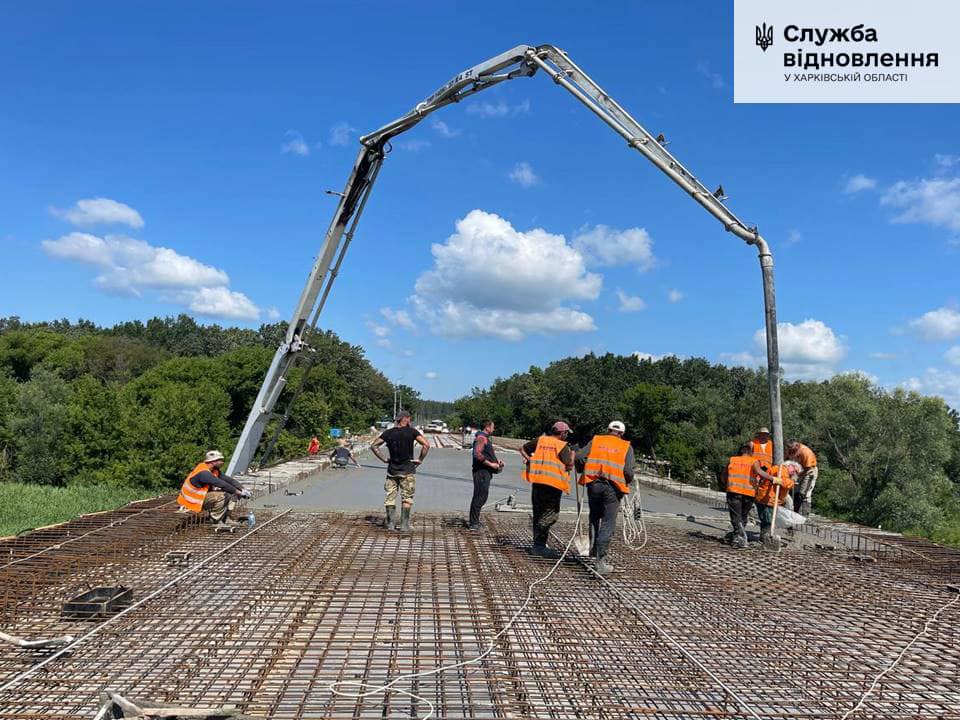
x=521 y=61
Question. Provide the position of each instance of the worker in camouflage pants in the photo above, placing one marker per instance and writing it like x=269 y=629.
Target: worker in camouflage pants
x=401 y=468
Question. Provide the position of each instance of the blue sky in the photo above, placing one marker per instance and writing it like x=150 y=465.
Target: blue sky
x=172 y=157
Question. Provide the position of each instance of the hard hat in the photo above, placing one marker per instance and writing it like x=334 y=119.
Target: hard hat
x=617 y=425
x=560 y=426
x=213 y=455
x=763 y=430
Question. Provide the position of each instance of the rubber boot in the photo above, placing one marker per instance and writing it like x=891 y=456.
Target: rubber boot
x=391 y=517
x=404 y=519
x=603 y=567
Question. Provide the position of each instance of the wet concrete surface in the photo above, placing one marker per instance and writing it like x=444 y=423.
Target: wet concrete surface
x=444 y=483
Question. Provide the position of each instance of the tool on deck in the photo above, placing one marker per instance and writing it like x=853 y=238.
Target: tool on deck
x=36 y=644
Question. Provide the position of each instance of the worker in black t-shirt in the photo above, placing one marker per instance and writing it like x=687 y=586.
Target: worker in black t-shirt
x=401 y=468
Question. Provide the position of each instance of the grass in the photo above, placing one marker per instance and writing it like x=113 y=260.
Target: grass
x=24 y=506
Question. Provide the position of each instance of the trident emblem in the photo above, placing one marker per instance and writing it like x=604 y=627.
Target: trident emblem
x=764 y=36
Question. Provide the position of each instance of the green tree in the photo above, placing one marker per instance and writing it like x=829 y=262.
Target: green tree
x=39 y=428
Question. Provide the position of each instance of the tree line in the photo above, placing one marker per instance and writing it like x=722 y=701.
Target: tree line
x=137 y=404
x=887 y=458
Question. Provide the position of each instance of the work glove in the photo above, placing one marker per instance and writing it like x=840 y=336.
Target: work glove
x=246 y=494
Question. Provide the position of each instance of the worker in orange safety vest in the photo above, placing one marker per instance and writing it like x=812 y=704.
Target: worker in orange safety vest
x=606 y=464
x=314 y=446
x=761 y=447
x=208 y=489
x=547 y=463
x=740 y=479
x=776 y=481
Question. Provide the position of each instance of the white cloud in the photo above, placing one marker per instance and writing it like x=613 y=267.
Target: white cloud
x=606 y=246
x=793 y=237
x=219 y=302
x=498 y=109
x=400 y=318
x=385 y=343
x=128 y=266
x=859 y=183
x=340 y=133
x=524 y=175
x=809 y=350
x=100 y=211
x=489 y=279
x=273 y=313
x=931 y=201
x=942 y=383
x=430 y=375
x=295 y=144
x=407 y=353
x=630 y=303
x=884 y=356
x=946 y=161
x=381 y=331
x=414 y=146
x=937 y=325
x=443 y=129
x=715 y=78
x=952 y=355
x=674 y=296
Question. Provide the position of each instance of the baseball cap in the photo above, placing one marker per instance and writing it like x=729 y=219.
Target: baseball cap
x=617 y=425
x=213 y=455
x=403 y=414
x=560 y=426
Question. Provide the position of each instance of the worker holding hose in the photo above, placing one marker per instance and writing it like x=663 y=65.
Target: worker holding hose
x=607 y=464
x=547 y=464
x=774 y=483
x=206 y=488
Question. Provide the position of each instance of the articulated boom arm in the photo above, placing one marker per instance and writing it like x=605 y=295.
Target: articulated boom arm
x=521 y=61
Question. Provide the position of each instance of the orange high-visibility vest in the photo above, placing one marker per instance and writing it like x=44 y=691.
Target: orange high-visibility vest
x=191 y=497
x=608 y=453
x=767 y=491
x=545 y=466
x=762 y=451
x=740 y=477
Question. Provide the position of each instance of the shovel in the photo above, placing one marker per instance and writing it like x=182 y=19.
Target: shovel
x=581 y=541
x=774 y=540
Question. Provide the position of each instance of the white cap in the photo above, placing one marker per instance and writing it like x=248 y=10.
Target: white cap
x=617 y=425
x=213 y=455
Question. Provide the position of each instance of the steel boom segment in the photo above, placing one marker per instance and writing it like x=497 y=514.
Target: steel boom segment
x=521 y=61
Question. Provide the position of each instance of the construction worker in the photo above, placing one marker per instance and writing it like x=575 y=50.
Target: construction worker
x=807 y=479
x=314 y=447
x=342 y=455
x=485 y=464
x=401 y=468
x=775 y=482
x=607 y=465
x=740 y=479
x=761 y=447
x=206 y=488
x=547 y=463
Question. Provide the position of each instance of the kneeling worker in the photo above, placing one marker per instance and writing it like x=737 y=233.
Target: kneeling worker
x=342 y=455
x=206 y=488
x=780 y=477
x=607 y=473
x=740 y=479
x=548 y=461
